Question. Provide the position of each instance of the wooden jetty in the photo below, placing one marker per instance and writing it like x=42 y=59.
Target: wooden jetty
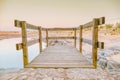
x=60 y=56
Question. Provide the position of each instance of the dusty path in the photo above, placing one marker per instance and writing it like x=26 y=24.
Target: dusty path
x=58 y=74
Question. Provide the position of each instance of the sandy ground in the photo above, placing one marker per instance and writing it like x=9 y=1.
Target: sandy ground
x=59 y=74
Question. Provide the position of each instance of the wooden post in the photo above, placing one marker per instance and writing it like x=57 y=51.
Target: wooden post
x=95 y=41
x=47 y=37
x=24 y=43
x=80 y=43
x=75 y=37
x=40 y=38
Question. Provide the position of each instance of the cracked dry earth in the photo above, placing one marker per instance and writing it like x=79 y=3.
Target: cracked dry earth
x=59 y=74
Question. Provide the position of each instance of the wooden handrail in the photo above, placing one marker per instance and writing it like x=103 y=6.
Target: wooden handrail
x=55 y=29
x=61 y=37
x=94 y=42
x=18 y=23
x=24 y=45
x=91 y=23
x=30 y=26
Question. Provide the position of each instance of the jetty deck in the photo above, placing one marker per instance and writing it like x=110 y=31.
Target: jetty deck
x=62 y=56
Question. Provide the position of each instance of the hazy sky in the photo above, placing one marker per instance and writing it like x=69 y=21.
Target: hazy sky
x=56 y=13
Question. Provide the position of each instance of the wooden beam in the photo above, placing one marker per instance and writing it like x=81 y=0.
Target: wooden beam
x=24 y=42
x=54 y=29
x=30 y=26
x=44 y=29
x=89 y=24
x=75 y=37
x=40 y=39
x=100 y=45
x=19 y=46
x=95 y=41
x=47 y=37
x=80 y=35
x=60 y=37
x=59 y=66
x=32 y=42
x=17 y=23
x=101 y=20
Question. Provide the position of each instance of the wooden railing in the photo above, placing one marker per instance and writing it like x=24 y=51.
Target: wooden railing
x=94 y=42
x=63 y=37
x=24 y=45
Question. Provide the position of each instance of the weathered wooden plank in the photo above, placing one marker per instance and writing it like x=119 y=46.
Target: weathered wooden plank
x=47 y=37
x=60 y=37
x=59 y=58
x=75 y=37
x=80 y=40
x=32 y=42
x=58 y=66
x=55 y=29
x=19 y=46
x=40 y=39
x=44 y=29
x=89 y=24
x=24 y=42
x=30 y=26
x=101 y=45
x=101 y=20
x=95 y=41
x=17 y=23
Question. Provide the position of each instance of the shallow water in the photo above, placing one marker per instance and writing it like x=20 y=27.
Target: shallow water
x=11 y=58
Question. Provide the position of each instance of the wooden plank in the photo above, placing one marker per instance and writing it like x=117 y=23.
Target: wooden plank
x=32 y=42
x=101 y=20
x=17 y=23
x=24 y=42
x=59 y=58
x=40 y=39
x=89 y=24
x=60 y=37
x=19 y=46
x=47 y=37
x=101 y=45
x=95 y=42
x=58 y=66
x=75 y=37
x=80 y=35
x=55 y=29
x=30 y=26
x=44 y=29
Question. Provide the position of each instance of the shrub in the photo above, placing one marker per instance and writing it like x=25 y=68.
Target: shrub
x=109 y=26
x=118 y=25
